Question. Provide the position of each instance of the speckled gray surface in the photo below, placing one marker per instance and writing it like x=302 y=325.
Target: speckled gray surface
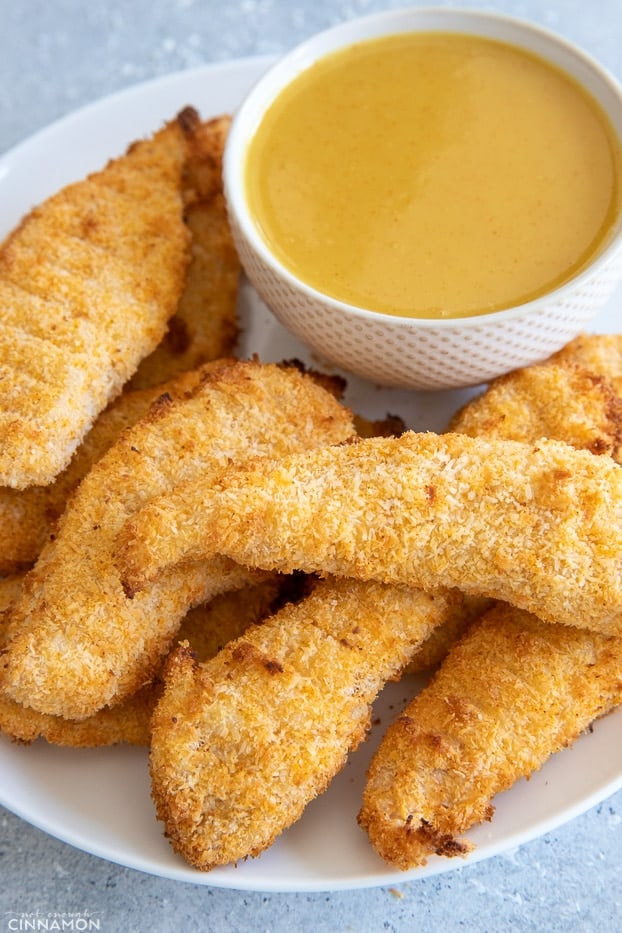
x=56 y=55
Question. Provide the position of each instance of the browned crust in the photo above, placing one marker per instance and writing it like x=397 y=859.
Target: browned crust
x=204 y=326
x=601 y=354
x=241 y=744
x=561 y=400
x=84 y=644
x=88 y=281
x=537 y=525
x=512 y=692
x=140 y=557
x=208 y=628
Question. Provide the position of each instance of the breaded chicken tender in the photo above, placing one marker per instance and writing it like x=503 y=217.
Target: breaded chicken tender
x=88 y=281
x=128 y=722
x=204 y=326
x=598 y=353
x=241 y=744
x=558 y=401
x=539 y=526
x=509 y=694
x=207 y=629
x=561 y=401
x=29 y=516
x=146 y=546
x=82 y=643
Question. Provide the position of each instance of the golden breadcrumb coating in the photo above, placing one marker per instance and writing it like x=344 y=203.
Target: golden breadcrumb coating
x=563 y=401
x=207 y=628
x=509 y=694
x=204 y=326
x=88 y=281
x=599 y=353
x=242 y=743
x=140 y=555
x=145 y=544
x=83 y=644
x=567 y=403
x=537 y=525
x=457 y=619
x=560 y=401
x=29 y=516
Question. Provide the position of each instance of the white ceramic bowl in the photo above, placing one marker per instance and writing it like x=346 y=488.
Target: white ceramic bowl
x=414 y=352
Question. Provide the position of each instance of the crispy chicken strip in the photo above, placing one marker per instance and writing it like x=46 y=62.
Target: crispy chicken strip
x=82 y=643
x=512 y=692
x=555 y=401
x=88 y=281
x=206 y=628
x=599 y=353
x=539 y=525
x=494 y=752
x=242 y=743
x=29 y=516
x=204 y=326
x=561 y=401
x=145 y=545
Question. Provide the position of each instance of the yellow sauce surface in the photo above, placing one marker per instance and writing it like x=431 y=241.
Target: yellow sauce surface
x=434 y=175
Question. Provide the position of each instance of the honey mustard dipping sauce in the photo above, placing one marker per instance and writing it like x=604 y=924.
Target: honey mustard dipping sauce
x=434 y=175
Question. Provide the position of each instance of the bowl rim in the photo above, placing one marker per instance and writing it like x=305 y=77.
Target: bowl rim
x=288 y=66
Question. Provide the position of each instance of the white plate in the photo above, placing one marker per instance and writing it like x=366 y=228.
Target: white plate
x=99 y=800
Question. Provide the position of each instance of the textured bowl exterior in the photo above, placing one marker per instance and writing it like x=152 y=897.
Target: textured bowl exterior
x=410 y=352
x=395 y=351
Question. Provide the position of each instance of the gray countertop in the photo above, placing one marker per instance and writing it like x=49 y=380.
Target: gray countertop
x=56 y=55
